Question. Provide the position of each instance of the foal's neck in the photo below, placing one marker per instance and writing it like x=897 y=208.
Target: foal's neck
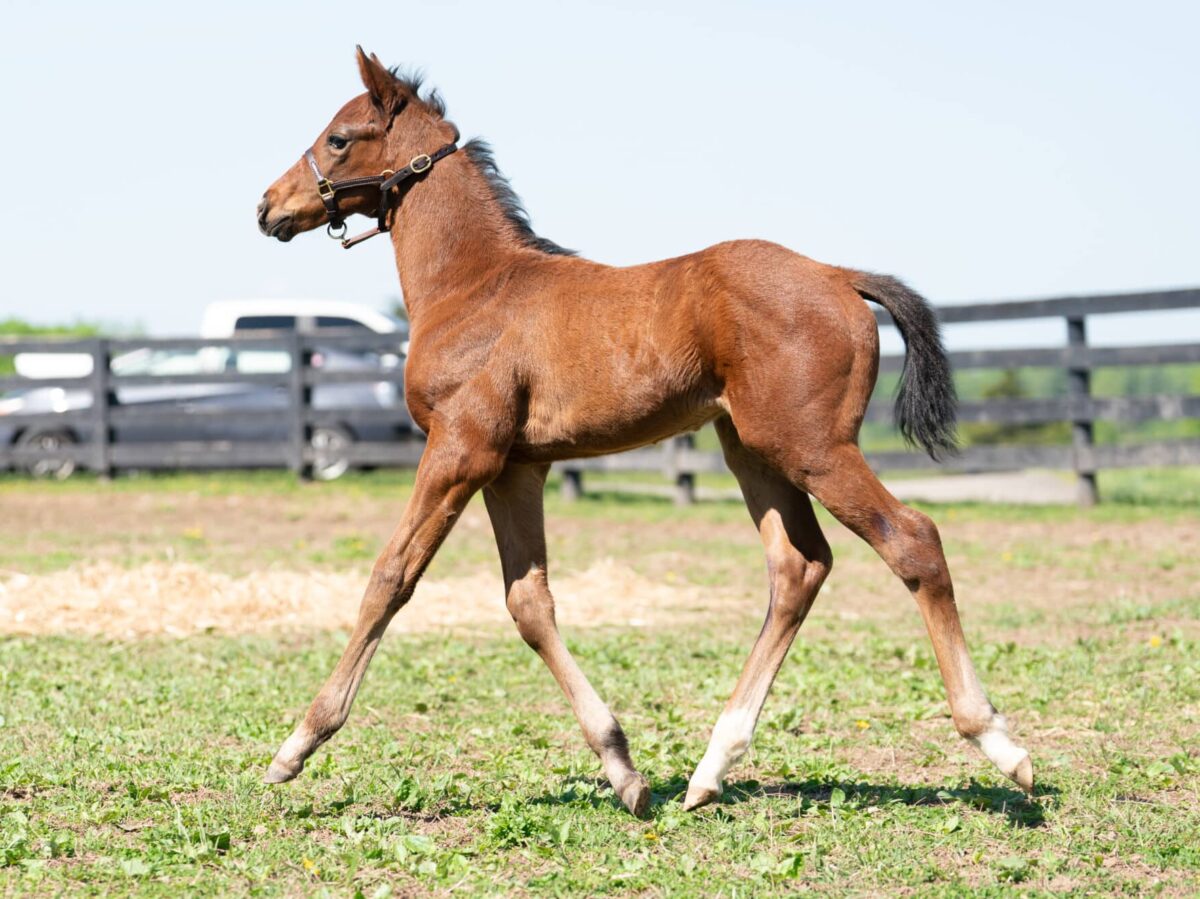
x=449 y=234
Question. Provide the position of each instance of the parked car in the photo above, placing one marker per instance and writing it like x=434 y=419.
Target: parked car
x=330 y=442
x=225 y=318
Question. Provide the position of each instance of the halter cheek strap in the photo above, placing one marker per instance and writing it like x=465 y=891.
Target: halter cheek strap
x=384 y=181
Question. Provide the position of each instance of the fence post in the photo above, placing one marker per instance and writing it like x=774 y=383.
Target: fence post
x=685 y=481
x=101 y=410
x=572 y=484
x=299 y=400
x=1079 y=390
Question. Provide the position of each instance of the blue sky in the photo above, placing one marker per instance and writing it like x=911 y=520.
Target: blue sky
x=978 y=151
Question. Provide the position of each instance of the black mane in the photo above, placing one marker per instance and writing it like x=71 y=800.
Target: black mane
x=412 y=82
x=480 y=154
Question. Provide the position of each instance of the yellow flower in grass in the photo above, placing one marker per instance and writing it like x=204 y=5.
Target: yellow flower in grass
x=1155 y=641
x=862 y=724
x=310 y=866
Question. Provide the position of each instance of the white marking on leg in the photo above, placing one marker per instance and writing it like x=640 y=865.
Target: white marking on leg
x=730 y=739
x=996 y=744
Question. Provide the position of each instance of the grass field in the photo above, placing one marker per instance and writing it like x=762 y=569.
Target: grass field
x=133 y=765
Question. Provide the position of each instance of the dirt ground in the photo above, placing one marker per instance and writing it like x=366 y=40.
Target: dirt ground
x=179 y=598
x=128 y=564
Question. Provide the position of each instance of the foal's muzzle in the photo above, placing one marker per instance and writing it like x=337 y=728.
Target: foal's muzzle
x=282 y=227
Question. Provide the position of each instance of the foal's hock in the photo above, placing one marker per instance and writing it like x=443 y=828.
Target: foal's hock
x=523 y=353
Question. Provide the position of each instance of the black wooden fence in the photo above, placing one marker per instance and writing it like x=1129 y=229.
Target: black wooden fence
x=678 y=460
x=291 y=415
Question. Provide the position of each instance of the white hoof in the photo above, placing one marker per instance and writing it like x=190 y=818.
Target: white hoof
x=699 y=795
x=289 y=760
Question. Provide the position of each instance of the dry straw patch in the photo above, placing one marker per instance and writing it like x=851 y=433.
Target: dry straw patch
x=179 y=599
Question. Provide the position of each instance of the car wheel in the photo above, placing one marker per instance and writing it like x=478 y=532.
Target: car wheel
x=330 y=452
x=48 y=441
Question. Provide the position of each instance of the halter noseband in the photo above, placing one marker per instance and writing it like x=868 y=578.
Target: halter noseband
x=385 y=181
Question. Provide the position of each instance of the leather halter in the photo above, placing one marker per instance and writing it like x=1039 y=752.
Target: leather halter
x=385 y=181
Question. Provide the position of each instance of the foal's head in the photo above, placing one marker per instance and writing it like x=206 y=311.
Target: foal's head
x=375 y=132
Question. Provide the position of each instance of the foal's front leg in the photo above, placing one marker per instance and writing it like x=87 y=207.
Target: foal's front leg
x=449 y=474
x=514 y=502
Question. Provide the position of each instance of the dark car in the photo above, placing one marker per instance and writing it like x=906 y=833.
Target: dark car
x=329 y=440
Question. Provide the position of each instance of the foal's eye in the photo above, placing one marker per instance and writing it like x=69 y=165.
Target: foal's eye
x=337 y=142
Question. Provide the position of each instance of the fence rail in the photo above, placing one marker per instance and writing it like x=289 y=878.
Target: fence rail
x=104 y=415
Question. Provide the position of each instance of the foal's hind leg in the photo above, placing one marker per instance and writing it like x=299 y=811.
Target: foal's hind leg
x=514 y=502
x=908 y=541
x=798 y=560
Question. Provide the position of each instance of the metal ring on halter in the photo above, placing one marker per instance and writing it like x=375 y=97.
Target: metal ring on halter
x=341 y=235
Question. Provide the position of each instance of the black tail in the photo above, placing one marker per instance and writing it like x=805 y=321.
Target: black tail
x=926 y=405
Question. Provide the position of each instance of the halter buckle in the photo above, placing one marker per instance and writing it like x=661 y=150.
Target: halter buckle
x=325 y=189
x=425 y=160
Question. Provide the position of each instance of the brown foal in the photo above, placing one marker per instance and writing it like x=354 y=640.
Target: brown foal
x=522 y=353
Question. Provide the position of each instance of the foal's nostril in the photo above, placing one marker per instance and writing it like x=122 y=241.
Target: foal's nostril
x=262 y=213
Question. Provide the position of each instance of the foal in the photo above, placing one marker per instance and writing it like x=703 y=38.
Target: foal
x=522 y=354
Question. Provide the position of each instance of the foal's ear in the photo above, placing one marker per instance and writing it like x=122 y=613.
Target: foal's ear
x=382 y=87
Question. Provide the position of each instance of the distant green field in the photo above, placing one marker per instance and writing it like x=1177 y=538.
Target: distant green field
x=1156 y=489
x=14 y=327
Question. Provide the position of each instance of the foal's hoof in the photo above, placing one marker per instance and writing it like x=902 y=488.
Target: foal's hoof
x=699 y=795
x=636 y=797
x=1011 y=759
x=1023 y=775
x=279 y=773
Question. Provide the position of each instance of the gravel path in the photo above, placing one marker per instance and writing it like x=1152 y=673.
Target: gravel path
x=1026 y=487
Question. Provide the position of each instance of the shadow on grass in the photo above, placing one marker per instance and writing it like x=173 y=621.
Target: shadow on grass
x=845 y=795
x=1019 y=809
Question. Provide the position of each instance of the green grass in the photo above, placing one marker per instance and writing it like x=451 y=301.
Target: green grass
x=135 y=768
x=1151 y=486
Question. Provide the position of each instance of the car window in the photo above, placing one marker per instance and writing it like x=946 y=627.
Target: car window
x=337 y=321
x=265 y=323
